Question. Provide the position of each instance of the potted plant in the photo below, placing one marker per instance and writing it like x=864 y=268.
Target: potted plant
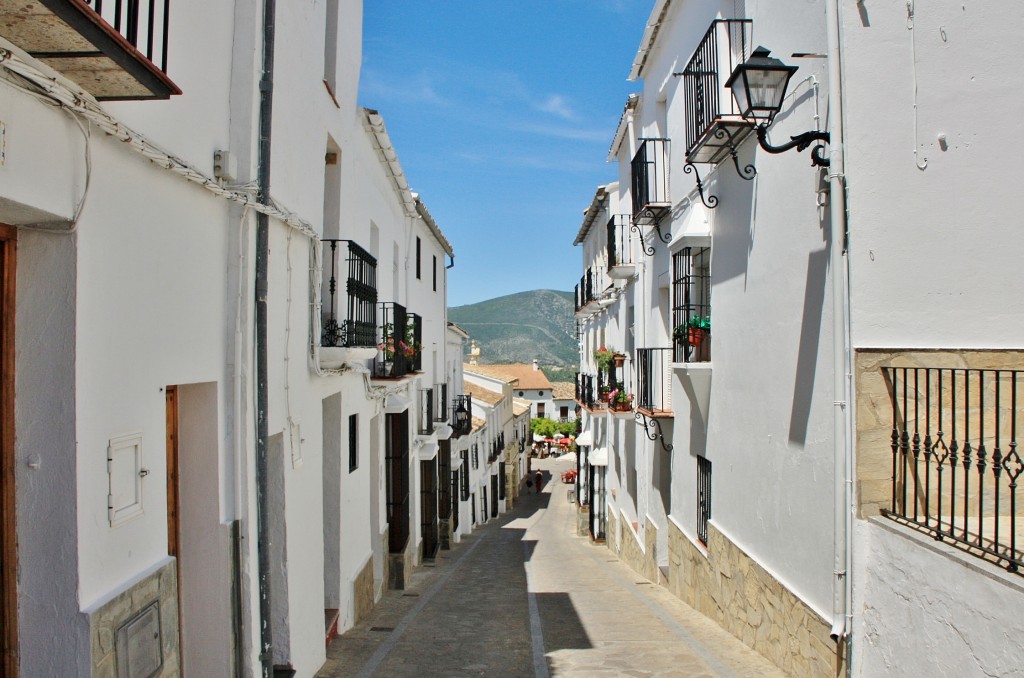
x=620 y=401
x=392 y=346
x=693 y=331
x=603 y=357
x=620 y=360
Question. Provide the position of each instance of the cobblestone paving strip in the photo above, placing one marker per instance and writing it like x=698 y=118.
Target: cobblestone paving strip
x=524 y=596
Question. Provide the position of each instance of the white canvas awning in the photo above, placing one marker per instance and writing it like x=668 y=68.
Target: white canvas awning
x=585 y=438
x=598 y=457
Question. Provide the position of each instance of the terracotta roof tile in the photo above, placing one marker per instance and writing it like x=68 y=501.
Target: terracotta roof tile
x=563 y=390
x=482 y=394
x=524 y=376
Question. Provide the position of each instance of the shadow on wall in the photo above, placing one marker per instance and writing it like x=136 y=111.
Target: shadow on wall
x=807 y=352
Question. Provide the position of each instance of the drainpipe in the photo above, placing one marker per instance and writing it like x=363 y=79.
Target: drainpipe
x=262 y=257
x=841 y=343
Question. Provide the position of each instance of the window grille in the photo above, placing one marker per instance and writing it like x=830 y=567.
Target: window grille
x=703 y=498
x=691 y=310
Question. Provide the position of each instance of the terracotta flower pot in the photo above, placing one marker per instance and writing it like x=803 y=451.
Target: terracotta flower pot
x=697 y=336
x=620 y=360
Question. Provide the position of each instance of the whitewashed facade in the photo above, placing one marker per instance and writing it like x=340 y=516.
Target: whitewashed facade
x=130 y=471
x=755 y=472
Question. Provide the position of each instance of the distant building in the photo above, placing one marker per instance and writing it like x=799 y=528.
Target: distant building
x=529 y=383
x=563 y=400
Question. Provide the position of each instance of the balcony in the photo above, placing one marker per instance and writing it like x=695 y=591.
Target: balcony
x=109 y=48
x=649 y=181
x=349 y=320
x=955 y=463
x=714 y=126
x=396 y=355
x=586 y=300
x=654 y=381
x=414 y=338
x=588 y=389
x=621 y=264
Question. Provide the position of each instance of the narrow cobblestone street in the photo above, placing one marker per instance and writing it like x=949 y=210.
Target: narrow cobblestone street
x=558 y=606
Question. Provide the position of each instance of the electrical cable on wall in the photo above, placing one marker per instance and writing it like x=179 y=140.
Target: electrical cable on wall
x=920 y=161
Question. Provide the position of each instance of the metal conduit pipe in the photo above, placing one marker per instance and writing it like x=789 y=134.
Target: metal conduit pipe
x=841 y=345
x=262 y=400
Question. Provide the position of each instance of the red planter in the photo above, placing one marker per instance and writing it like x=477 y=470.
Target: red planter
x=697 y=336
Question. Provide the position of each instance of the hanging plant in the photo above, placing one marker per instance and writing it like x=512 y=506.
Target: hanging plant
x=603 y=357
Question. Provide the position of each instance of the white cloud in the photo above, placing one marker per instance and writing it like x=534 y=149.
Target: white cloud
x=558 y=105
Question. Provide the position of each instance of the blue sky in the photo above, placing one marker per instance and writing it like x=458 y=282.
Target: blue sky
x=502 y=112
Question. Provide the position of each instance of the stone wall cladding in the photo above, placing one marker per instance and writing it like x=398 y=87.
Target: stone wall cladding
x=161 y=585
x=874 y=410
x=386 y=566
x=612 y=532
x=363 y=591
x=643 y=562
x=743 y=598
x=583 y=520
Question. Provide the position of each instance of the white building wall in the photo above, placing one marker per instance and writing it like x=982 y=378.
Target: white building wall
x=769 y=413
x=938 y=208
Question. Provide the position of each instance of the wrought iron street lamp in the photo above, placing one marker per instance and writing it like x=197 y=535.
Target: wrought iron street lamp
x=759 y=87
x=461 y=416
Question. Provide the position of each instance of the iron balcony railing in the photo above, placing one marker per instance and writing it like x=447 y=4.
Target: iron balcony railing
x=348 y=320
x=620 y=242
x=649 y=182
x=414 y=325
x=706 y=98
x=395 y=355
x=426 y=418
x=589 y=387
x=585 y=290
x=440 y=402
x=143 y=24
x=955 y=463
x=654 y=380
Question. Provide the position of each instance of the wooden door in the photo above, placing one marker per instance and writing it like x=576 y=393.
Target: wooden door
x=8 y=541
x=174 y=498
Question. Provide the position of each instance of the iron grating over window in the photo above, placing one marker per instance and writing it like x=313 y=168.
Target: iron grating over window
x=691 y=310
x=465 y=475
x=353 y=442
x=955 y=463
x=350 y=322
x=703 y=498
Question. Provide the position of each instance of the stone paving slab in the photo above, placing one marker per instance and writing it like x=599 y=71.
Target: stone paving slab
x=525 y=596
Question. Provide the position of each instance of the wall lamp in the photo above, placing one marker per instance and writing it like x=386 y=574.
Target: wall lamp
x=759 y=87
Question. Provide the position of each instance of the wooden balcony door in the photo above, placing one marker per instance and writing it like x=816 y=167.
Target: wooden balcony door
x=8 y=543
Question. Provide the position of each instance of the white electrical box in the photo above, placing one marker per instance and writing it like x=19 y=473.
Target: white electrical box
x=124 y=477
x=225 y=165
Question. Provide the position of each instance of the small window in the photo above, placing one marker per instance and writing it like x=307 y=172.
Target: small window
x=419 y=251
x=520 y=394
x=540 y=394
x=703 y=498
x=434 y=272
x=353 y=442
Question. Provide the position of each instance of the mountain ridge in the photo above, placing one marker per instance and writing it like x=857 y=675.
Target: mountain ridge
x=521 y=327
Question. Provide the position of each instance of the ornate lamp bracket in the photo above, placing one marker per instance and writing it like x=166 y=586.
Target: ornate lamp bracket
x=710 y=201
x=652 y=429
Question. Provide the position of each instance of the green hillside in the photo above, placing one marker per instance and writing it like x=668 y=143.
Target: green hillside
x=520 y=327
